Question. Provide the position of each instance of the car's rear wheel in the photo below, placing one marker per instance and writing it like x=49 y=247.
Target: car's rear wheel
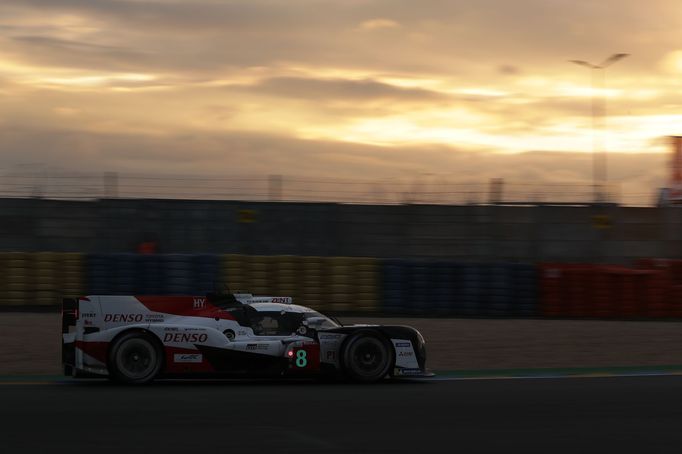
x=367 y=357
x=135 y=358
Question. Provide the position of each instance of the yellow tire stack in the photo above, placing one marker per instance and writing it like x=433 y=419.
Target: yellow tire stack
x=70 y=274
x=286 y=276
x=339 y=282
x=260 y=275
x=3 y=280
x=236 y=272
x=311 y=283
x=365 y=284
x=44 y=285
x=17 y=271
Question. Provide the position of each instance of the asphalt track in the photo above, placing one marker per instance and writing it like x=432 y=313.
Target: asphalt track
x=559 y=415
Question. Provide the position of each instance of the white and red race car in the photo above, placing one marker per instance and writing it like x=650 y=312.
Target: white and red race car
x=135 y=339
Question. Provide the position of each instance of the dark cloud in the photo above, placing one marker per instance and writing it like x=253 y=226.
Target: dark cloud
x=340 y=89
x=435 y=36
x=75 y=54
x=508 y=70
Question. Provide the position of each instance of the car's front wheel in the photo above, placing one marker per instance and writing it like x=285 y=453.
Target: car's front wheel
x=135 y=358
x=367 y=357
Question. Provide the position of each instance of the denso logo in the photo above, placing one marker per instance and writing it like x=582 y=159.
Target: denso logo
x=185 y=337
x=123 y=318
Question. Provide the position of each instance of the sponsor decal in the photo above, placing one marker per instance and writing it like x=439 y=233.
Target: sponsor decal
x=256 y=346
x=154 y=318
x=399 y=371
x=405 y=354
x=123 y=318
x=283 y=300
x=171 y=329
x=185 y=337
x=198 y=303
x=331 y=355
x=88 y=315
x=188 y=357
x=87 y=322
x=329 y=337
x=403 y=344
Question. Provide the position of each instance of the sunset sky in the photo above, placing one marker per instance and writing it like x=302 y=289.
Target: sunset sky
x=466 y=90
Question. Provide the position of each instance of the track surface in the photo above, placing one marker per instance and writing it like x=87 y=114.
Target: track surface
x=570 y=415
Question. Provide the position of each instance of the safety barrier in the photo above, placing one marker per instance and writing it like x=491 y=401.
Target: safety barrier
x=39 y=279
x=153 y=274
x=337 y=284
x=608 y=291
x=650 y=289
x=420 y=287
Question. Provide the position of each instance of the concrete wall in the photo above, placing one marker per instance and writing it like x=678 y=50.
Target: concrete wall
x=468 y=233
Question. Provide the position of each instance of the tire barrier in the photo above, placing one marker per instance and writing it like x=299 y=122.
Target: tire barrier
x=40 y=278
x=463 y=289
x=336 y=284
x=650 y=290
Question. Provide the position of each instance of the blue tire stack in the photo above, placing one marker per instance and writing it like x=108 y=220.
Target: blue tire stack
x=98 y=279
x=442 y=293
x=177 y=272
x=419 y=290
x=500 y=290
x=123 y=267
x=150 y=277
x=525 y=291
x=207 y=276
x=393 y=286
x=473 y=300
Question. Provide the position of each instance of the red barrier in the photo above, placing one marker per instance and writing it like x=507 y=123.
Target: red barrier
x=611 y=291
x=554 y=288
x=659 y=295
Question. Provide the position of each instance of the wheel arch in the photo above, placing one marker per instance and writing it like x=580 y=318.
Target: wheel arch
x=138 y=330
x=376 y=330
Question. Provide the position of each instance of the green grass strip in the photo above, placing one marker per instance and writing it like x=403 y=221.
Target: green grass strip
x=563 y=372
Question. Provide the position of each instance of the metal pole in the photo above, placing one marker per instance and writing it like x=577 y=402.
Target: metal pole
x=596 y=171
x=599 y=164
x=275 y=184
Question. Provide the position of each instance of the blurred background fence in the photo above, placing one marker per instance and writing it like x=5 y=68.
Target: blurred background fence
x=466 y=233
x=419 y=188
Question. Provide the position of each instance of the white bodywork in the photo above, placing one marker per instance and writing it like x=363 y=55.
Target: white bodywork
x=188 y=327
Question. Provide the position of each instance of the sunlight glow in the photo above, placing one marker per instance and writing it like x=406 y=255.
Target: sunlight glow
x=94 y=81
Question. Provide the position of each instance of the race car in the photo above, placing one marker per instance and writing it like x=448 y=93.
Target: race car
x=135 y=339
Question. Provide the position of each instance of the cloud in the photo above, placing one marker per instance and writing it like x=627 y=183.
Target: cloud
x=378 y=24
x=241 y=153
x=457 y=80
x=321 y=90
x=62 y=53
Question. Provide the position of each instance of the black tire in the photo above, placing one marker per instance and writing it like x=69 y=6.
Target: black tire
x=367 y=357
x=135 y=359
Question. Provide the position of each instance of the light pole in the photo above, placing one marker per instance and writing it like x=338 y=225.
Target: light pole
x=599 y=175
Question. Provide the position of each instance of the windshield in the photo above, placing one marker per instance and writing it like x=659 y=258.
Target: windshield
x=318 y=321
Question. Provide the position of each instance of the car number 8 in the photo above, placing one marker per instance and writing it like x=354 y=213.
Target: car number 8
x=301 y=358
